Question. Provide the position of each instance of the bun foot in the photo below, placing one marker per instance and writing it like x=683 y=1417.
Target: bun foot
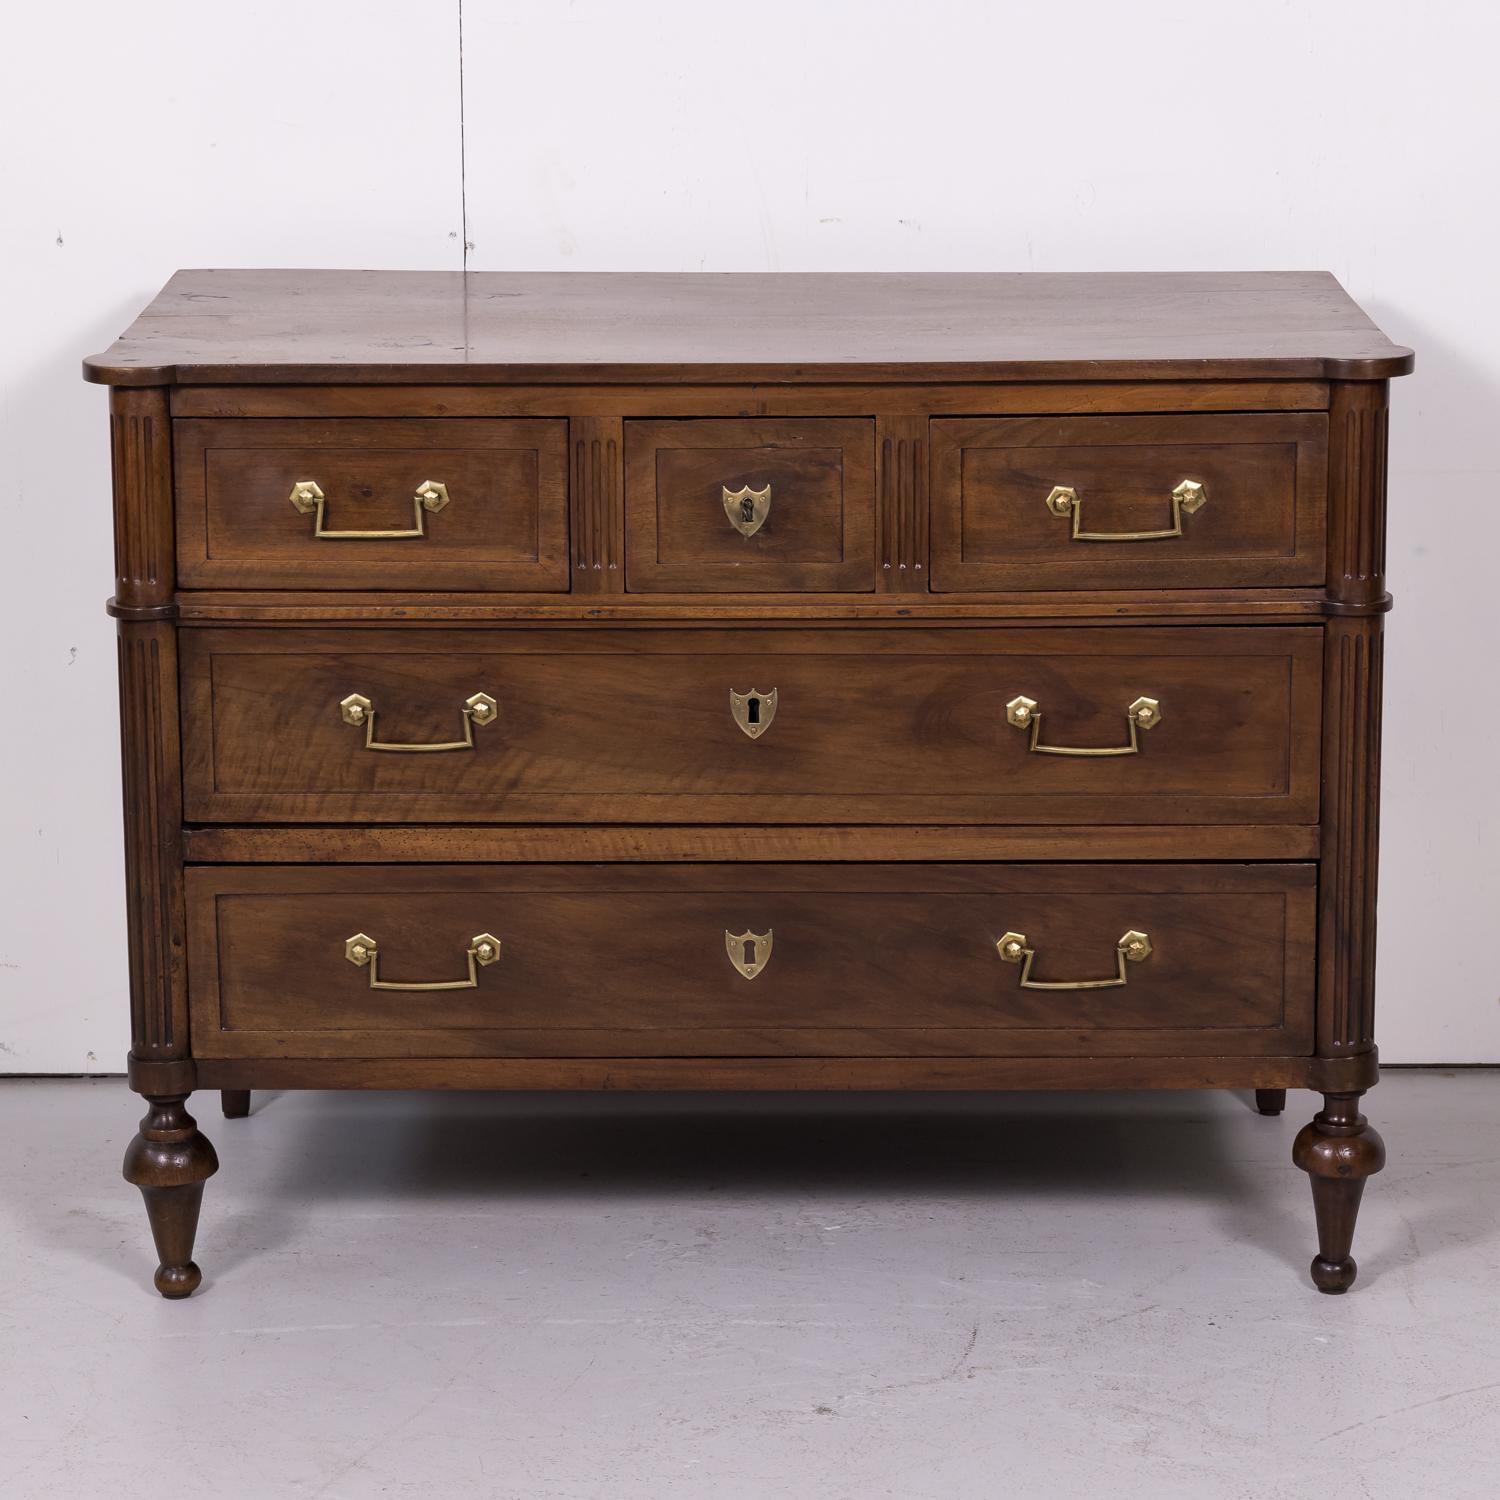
x=1334 y=1276
x=178 y=1281
x=1270 y=1101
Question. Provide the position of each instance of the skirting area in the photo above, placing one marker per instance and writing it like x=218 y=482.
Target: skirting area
x=923 y=1298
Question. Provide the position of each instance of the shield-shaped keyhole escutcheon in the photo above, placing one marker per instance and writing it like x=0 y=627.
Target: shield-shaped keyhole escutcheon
x=748 y=951
x=753 y=711
x=747 y=509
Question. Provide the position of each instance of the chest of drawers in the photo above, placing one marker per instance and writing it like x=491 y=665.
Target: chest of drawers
x=749 y=682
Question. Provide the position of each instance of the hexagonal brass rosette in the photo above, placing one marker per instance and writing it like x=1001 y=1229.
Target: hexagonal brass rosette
x=355 y=709
x=360 y=949
x=481 y=708
x=1190 y=495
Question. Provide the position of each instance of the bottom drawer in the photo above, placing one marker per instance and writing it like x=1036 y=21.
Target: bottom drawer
x=802 y=960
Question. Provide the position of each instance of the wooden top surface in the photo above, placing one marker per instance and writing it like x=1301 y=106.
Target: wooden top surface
x=375 y=327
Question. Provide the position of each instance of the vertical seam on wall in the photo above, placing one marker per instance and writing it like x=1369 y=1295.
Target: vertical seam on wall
x=463 y=181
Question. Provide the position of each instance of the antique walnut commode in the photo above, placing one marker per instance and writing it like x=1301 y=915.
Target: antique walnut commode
x=750 y=682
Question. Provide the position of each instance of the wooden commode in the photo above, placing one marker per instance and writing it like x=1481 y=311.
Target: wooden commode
x=750 y=682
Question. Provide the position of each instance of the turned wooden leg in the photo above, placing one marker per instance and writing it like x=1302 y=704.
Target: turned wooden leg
x=1338 y=1150
x=236 y=1103
x=169 y=1161
x=1267 y=1101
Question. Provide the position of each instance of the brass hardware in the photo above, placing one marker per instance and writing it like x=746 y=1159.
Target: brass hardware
x=753 y=711
x=357 y=710
x=1144 y=713
x=747 y=509
x=739 y=946
x=430 y=496
x=364 y=953
x=1133 y=947
x=1189 y=496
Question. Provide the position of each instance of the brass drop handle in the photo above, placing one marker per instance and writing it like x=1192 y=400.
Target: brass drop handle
x=1133 y=948
x=358 y=711
x=1144 y=713
x=1064 y=501
x=308 y=498
x=747 y=509
x=364 y=953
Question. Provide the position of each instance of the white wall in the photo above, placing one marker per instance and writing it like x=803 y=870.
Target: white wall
x=1356 y=135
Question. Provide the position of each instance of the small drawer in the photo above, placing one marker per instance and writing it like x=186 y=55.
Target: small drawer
x=617 y=724
x=1053 y=503
x=372 y=504
x=751 y=960
x=750 y=506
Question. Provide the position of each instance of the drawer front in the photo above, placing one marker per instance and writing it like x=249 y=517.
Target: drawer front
x=1129 y=502
x=364 y=504
x=750 y=506
x=754 y=726
x=752 y=960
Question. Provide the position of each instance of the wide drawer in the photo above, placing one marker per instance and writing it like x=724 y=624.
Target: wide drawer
x=751 y=960
x=746 y=506
x=1212 y=501
x=372 y=504
x=752 y=725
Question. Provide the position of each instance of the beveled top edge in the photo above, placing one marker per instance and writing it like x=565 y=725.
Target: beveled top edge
x=213 y=327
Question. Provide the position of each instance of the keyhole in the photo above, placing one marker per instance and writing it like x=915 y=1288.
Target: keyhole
x=747 y=509
x=751 y=953
x=752 y=711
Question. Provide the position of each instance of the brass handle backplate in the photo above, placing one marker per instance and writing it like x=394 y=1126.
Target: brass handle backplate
x=364 y=953
x=748 y=951
x=1144 y=713
x=357 y=710
x=431 y=496
x=1134 y=947
x=1064 y=501
x=747 y=509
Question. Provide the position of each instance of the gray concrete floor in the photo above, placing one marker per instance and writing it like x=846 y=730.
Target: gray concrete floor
x=925 y=1298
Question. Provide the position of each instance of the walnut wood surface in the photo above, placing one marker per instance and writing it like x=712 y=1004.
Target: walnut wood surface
x=767 y=399
x=811 y=1073
x=887 y=825
x=415 y=843
x=635 y=726
x=818 y=534
x=1265 y=478
x=355 y=327
x=504 y=527
x=1094 y=607
x=878 y=959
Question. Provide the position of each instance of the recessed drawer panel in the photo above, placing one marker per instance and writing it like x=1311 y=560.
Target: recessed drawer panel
x=1128 y=502
x=753 y=725
x=750 y=506
x=364 y=504
x=753 y=960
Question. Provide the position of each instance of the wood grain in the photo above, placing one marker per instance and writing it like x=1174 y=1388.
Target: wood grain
x=634 y=726
x=818 y=535
x=504 y=527
x=875 y=959
x=1263 y=524
x=486 y=844
x=359 y=327
x=770 y=399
